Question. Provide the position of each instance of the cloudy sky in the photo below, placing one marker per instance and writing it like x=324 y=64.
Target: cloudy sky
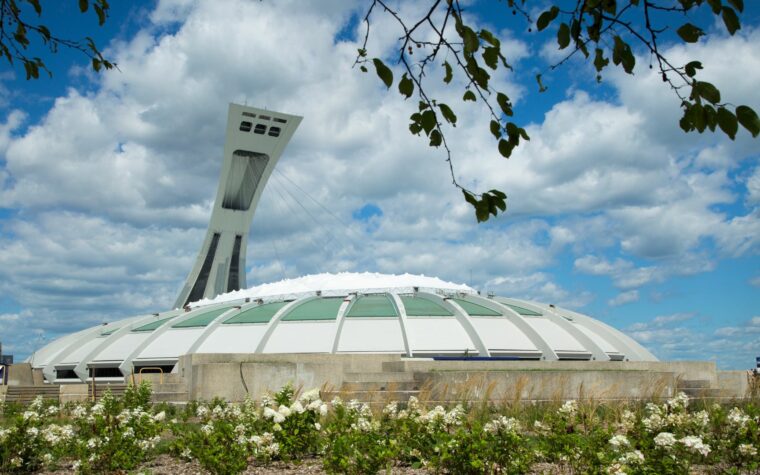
x=106 y=181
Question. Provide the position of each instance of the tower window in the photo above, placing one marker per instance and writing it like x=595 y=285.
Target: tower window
x=245 y=126
x=274 y=131
x=260 y=129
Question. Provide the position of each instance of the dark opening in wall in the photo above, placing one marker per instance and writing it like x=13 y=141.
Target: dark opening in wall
x=274 y=131
x=200 y=283
x=245 y=126
x=260 y=129
x=105 y=372
x=243 y=179
x=233 y=282
x=66 y=374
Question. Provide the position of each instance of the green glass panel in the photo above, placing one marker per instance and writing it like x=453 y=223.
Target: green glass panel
x=318 y=309
x=259 y=314
x=523 y=311
x=109 y=331
x=372 y=306
x=420 y=307
x=475 y=310
x=149 y=327
x=202 y=319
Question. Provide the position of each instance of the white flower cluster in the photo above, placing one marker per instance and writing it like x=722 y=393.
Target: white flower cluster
x=695 y=444
x=569 y=408
x=503 y=424
x=265 y=444
x=737 y=418
x=664 y=439
x=680 y=401
x=748 y=450
x=619 y=442
x=439 y=418
x=5 y=433
x=55 y=434
x=692 y=442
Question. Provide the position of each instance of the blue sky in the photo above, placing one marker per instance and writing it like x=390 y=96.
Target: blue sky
x=106 y=181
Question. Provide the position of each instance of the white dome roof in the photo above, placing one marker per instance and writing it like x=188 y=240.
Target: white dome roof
x=412 y=315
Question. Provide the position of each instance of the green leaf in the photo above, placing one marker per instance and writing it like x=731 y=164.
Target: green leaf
x=498 y=194
x=491 y=57
x=738 y=4
x=691 y=68
x=547 y=17
x=448 y=114
x=711 y=117
x=83 y=5
x=541 y=87
x=715 y=5
x=503 y=102
x=690 y=33
x=363 y=68
x=470 y=39
x=707 y=91
x=449 y=73
x=469 y=96
x=383 y=72
x=101 y=14
x=600 y=62
x=622 y=54
x=482 y=210
x=728 y=122
x=96 y=64
x=698 y=118
x=749 y=120
x=495 y=129
x=406 y=86
x=44 y=32
x=470 y=198
x=36 y=5
x=563 y=36
x=512 y=130
x=435 y=138
x=428 y=121
x=731 y=20
x=505 y=148
x=488 y=37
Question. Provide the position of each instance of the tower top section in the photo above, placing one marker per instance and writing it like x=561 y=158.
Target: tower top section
x=254 y=141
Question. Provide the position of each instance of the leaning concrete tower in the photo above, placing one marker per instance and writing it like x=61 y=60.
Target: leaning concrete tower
x=254 y=142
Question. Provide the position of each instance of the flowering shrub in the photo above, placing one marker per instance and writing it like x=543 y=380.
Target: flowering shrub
x=230 y=435
x=29 y=442
x=118 y=435
x=110 y=435
x=356 y=443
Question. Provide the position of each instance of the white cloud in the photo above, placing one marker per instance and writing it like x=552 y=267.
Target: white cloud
x=624 y=298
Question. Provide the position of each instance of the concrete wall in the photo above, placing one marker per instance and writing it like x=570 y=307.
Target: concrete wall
x=547 y=385
x=233 y=376
x=20 y=375
x=738 y=384
x=3 y=389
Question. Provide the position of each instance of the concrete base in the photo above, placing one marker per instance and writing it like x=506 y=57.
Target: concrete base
x=382 y=378
x=233 y=376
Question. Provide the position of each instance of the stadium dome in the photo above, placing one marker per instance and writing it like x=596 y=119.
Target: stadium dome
x=410 y=315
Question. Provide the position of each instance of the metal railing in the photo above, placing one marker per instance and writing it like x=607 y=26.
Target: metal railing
x=152 y=369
